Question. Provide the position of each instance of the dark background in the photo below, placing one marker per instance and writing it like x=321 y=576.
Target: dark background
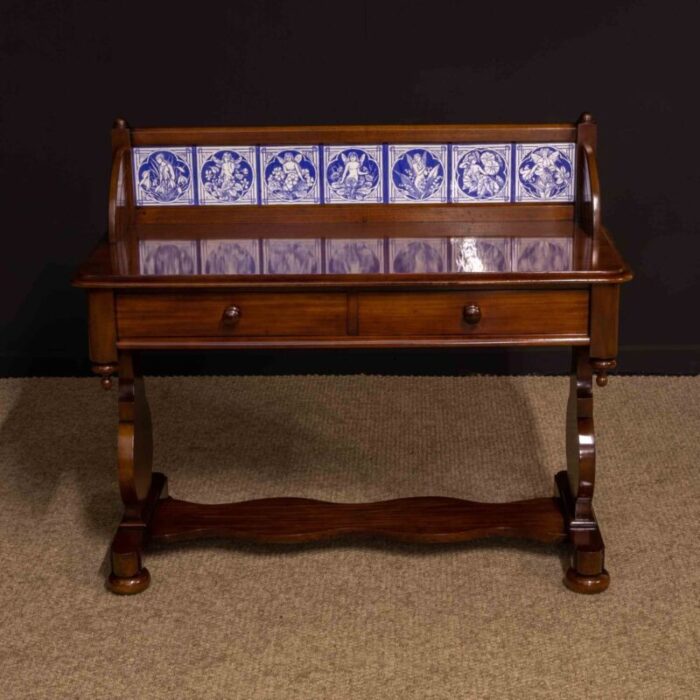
x=69 y=67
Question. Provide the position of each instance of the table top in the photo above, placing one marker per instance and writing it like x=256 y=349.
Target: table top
x=357 y=254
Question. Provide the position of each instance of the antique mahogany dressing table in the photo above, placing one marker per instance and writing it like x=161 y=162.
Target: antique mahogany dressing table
x=394 y=236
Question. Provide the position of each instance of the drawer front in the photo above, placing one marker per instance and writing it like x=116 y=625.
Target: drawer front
x=478 y=313
x=225 y=315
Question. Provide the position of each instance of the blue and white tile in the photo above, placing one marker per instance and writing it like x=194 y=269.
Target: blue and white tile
x=168 y=257
x=354 y=174
x=481 y=254
x=545 y=172
x=481 y=172
x=418 y=173
x=230 y=257
x=287 y=256
x=542 y=254
x=290 y=174
x=418 y=255
x=347 y=256
x=227 y=175
x=164 y=176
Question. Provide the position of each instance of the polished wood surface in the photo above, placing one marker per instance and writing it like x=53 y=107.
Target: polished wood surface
x=362 y=217
x=203 y=315
x=116 y=265
x=140 y=489
x=576 y=485
x=420 y=519
x=527 y=314
x=573 y=302
x=404 y=133
x=102 y=333
x=500 y=313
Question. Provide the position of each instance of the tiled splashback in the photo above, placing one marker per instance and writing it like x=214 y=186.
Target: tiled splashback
x=309 y=256
x=337 y=174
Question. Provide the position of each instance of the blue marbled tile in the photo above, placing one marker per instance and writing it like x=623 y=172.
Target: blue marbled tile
x=290 y=175
x=418 y=173
x=418 y=255
x=168 y=257
x=481 y=255
x=287 y=256
x=227 y=175
x=545 y=172
x=481 y=172
x=542 y=254
x=164 y=176
x=345 y=256
x=230 y=257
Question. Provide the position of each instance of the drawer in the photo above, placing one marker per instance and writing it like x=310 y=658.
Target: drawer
x=230 y=314
x=478 y=313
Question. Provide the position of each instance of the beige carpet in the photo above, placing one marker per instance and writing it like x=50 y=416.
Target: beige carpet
x=352 y=620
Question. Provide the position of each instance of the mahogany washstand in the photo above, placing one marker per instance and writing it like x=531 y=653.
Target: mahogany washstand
x=498 y=294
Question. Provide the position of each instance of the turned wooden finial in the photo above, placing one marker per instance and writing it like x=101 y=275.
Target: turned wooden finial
x=586 y=118
x=120 y=123
x=105 y=373
x=601 y=368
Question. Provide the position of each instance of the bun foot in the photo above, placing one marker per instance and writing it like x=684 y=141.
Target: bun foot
x=129 y=585
x=581 y=583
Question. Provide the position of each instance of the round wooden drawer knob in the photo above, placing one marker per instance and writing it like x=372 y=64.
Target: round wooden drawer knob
x=472 y=313
x=232 y=314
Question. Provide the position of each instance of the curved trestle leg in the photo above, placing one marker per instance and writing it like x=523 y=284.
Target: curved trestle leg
x=149 y=515
x=587 y=573
x=140 y=489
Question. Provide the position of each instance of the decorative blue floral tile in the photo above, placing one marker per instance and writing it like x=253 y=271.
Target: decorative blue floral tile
x=354 y=174
x=542 y=254
x=545 y=171
x=354 y=256
x=230 y=257
x=481 y=254
x=227 y=175
x=168 y=257
x=481 y=172
x=415 y=255
x=286 y=256
x=290 y=174
x=163 y=176
x=418 y=173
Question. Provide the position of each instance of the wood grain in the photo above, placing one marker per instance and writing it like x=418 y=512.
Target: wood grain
x=503 y=313
x=576 y=486
x=605 y=311
x=102 y=327
x=387 y=214
x=186 y=315
x=420 y=519
x=135 y=440
x=352 y=134
x=350 y=342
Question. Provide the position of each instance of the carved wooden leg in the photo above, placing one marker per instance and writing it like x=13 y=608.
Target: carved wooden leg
x=587 y=575
x=139 y=489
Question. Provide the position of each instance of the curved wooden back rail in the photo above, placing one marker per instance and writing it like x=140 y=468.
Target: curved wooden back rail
x=593 y=182
x=185 y=305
